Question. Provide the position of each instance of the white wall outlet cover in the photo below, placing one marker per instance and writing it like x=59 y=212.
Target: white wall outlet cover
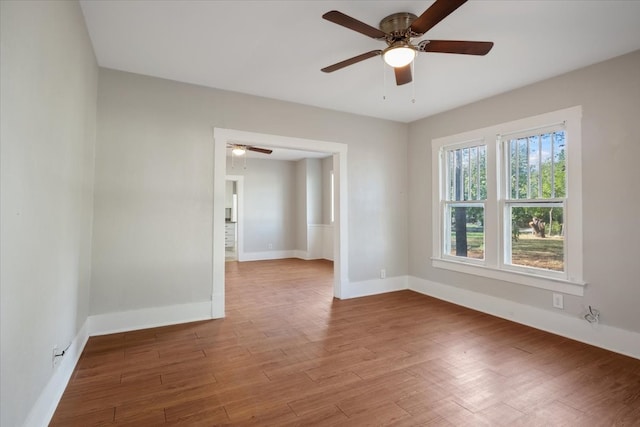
x=558 y=301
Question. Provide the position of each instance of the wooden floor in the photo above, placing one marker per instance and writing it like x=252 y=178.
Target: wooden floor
x=289 y=354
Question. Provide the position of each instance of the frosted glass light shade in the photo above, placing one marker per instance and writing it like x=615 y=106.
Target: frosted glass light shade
x=399 y=56
x=238 y=151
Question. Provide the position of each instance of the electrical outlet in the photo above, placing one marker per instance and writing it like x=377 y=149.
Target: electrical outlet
x=55 y=361
x=558 y=301
x=383 y=274
x=592 y=315
x=270 y=246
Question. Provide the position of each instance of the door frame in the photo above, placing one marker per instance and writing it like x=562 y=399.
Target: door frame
x=222 y=137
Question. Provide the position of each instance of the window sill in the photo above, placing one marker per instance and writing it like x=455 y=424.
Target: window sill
x=541 y=282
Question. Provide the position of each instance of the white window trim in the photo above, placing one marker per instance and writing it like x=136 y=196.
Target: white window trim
x=571 y=281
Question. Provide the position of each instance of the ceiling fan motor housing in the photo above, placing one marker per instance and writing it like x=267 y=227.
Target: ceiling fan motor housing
x=397 y=25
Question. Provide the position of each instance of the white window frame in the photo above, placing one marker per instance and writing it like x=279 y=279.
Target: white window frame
x=493 y=266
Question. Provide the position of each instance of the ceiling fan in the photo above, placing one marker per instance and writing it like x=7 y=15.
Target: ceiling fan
x=241 y=149
x=398 y=29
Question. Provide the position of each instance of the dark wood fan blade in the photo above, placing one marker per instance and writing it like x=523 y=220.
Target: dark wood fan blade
x=456 y=46
x=403 y=75
x=350 y=61
x=259 y=150
x=434 y=14
x=353 y=24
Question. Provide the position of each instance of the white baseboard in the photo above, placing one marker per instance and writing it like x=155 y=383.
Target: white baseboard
x=304 y=255
x=603 y=336
x=102 y=324
x=374 y=287
x=270 y=255
x=45 y=406
x=266 y=255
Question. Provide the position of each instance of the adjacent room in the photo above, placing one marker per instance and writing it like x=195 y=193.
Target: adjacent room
x=319 y=212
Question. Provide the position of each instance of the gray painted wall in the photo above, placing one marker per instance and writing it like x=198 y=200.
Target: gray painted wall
x=610 y=95
x=153 y=186
x=314 y=191
x=301 y=205
x=327 y=168
x=49 y=87
x=269 y=203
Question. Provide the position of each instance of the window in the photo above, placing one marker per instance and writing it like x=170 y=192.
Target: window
x=535 y=198
x=507 y=201
x=466 y=193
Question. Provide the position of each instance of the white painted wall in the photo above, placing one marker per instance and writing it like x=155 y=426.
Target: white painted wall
x=48 y=89
x=609 y=93
x=154 y=191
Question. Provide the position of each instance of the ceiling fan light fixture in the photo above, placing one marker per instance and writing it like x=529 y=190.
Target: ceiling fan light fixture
x=399 y=55
x=238 y=150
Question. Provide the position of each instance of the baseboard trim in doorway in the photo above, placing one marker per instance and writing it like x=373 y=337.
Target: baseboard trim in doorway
x=266 y=255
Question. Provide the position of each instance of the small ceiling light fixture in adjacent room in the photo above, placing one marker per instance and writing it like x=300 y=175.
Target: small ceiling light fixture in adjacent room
x=238 y=150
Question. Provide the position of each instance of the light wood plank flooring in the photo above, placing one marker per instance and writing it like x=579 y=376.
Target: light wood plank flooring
x=289 y=354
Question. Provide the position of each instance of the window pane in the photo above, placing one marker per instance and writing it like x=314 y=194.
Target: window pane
x=465 y=231
x=534 y=167
x=537 y=166
x=545 y=164
x=523 y=166
x=466 y=174
x=537 y=237
x=559 y=162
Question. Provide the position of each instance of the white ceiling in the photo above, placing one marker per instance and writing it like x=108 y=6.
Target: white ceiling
x=276 y=49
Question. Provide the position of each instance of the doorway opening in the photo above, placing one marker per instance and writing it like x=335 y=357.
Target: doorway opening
x=225 y=137
x=233 y=218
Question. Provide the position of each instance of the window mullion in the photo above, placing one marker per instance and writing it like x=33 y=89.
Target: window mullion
x=539 y=167
x=553 y=173
x=517 y=164
x=468 y=174
x=528 y=168
x=478 y=192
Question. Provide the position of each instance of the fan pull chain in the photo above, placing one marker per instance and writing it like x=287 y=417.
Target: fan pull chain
x=413 y=82
x=384 y=82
